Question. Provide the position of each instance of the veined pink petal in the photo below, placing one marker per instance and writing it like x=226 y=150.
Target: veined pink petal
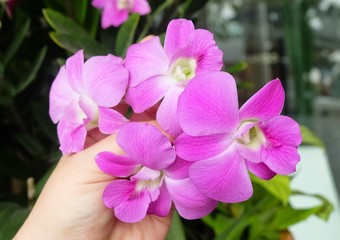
x=209 y=105
x=148 y=93
x=89 y=107
x=116 y=165
x=141 y=6
x=282 y=130
x=224 y=178
x=146 y=144
x=200 y=148
x=266 y=103
x=145 y=60
x=74 y=71
x=167 y=112
x=71 y=136
x=105 y=79
x=110 y=120
x=61 y=96
x=129 y=206
x=189 y=202
x=201 y=46
x=281 y=159
x=253 y=155
x=260 y=170
x=146 y=174
x=179 y=169
x=161 y=207
x=176 y=36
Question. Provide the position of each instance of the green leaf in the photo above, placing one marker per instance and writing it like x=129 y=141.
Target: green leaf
x=71 y=36
x=126 y=34
x=288 y=216
x=75 y=43
x=79 y=9
x=278 y=186
x=31 y=143
x=176 y=231
x=32 y=74
x=238 y=67
x=12 y=224
x=220 y=223
x=309 y=138
x=17 y=41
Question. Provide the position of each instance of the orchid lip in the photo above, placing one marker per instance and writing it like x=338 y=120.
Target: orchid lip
x=250 y=135
x=183 y=69
x=124 y=4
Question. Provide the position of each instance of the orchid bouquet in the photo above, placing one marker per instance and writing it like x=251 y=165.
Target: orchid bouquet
x=184 y=139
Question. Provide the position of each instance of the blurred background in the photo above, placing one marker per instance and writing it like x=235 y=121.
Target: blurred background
x=297 y=41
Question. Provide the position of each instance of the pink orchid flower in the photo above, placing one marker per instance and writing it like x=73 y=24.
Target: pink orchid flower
x=228 y=142
x=150 y=177
x=116 y=12
x=82 y=96
x=157 y=72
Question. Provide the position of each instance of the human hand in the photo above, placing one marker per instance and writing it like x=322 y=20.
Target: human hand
x=71 y=207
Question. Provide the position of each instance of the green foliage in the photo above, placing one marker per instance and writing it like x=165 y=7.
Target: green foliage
x=176 y=231
x=309 y=138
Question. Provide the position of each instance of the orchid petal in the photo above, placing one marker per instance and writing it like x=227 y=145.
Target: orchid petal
x=228 y=180
x=145 y=143
x=167 y=112
x=176 y=36
x=141 y=6
x=74 y=70
x=281 y=159
x=189 y=202
x=266 y=103
x=116 y=165
x=146 y=60
x=71 y=136
x=282 y=130
x=148 y=93
x=179 y=169
x=209 y=105
x=201 y=46
x=105 y=79
x=200 y=148
x=110 y=120
x=112 y=16
x=61 y=96
x=260 y=170
x=129 y=206
x=161 y=207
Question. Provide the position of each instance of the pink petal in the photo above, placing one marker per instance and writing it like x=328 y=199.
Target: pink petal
x=161 y=207
x=61 y=96
x=146 y=174
x=224 y=178
x=112 y=16
x=129 y=206
x=266 y=103
x=282 y=129
x=179 y=169
x=189 y=202
x=110 y=120
x=201 y=46
x=71 y=136
x=106 y=79
x=167 y=112
x=148 y=93
x=200 y=148
x=99 y=3
x=176 y=36
x=116 y=165
x=250 y=154
x=145 y=60
x=281 y=159
x=141 y=6
x=260 y=170
x=74 y=71
x=89 y=107
x=209 y=105
x=147 y=145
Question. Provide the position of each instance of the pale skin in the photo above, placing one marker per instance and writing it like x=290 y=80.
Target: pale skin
x=70 y=205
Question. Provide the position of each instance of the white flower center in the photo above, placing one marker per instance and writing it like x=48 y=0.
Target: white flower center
x=124 y=4
x=184 y=69
x=152 y=183
x=250 y=135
